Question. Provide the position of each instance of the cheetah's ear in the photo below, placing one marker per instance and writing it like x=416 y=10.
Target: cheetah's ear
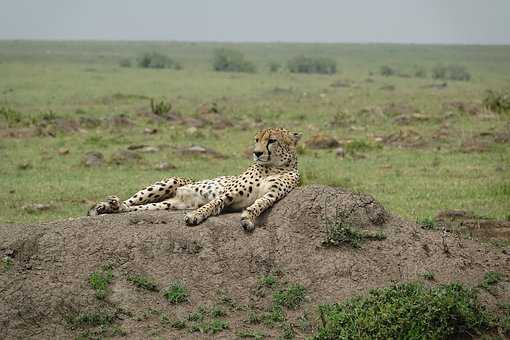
x=296 y=136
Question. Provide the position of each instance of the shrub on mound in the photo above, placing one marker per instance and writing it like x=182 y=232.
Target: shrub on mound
x=228 y=60
x=303 y=64
x=406 y=311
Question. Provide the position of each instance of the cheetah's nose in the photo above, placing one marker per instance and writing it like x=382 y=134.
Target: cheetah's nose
x=258 y=153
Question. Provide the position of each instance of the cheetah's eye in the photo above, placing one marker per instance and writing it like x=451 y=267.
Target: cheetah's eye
x=270 y=141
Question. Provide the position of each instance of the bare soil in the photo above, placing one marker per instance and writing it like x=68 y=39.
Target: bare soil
x=52 y=263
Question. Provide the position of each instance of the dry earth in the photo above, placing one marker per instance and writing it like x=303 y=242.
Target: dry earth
x=52 y=263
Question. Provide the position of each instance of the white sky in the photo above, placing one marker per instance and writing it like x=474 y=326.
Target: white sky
x=399 y=21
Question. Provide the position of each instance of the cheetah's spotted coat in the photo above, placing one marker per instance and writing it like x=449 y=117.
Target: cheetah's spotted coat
x=273 y=175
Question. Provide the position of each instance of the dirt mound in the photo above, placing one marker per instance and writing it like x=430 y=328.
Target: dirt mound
x=46 y=283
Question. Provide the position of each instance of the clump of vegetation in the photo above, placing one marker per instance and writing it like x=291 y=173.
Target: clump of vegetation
x=320 y=65
x=178 y=324
x=269 y=281
x=157 y=60
x=387 y=71
x=497 y=101
x=292 y=297
x=340 y=233
x=217 y=312
x=420 y=72
x=250 y=334
x=198 y=315
x=490 y=279
x=428 y=276
x=14 y=118
x=406 y=311
x=361 y=145
x=160 y=107
x=273 y=315
x=274 y=66
x=7 y=263
x=451 y=72
x=176 y=293
x=287 y=331
x=92 y=318
x=214 y=327
x=428 y=223
x=228 y=60
x=100 y=280
x=143 y=282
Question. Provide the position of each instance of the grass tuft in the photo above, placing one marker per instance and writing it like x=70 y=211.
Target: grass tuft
x=143 y=282
x=100 y=280
x=291 y=297
x=176 y=293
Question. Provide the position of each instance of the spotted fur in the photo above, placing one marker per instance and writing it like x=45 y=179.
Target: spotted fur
x=272 y=175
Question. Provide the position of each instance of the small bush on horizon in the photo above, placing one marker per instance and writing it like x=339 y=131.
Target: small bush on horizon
x=497 y=101
x=229 y=60
x=387 y=71
x=157 y=60
x=304 y=64
x=451 y=72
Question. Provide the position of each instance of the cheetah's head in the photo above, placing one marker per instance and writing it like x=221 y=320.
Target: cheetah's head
x=275 y=147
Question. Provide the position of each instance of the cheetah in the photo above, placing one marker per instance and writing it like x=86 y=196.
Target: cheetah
x=272 y=175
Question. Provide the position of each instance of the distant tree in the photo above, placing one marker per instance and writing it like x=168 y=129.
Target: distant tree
x=387 y=71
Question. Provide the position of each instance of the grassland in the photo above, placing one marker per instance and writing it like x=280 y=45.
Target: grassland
x=449 y=156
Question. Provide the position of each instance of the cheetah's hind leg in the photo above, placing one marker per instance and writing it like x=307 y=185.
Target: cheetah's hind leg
x=111 y=205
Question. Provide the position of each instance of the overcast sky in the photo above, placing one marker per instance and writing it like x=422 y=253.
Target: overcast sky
x=399 y=21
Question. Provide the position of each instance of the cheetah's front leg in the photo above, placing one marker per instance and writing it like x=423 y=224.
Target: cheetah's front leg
x=212 y=208
x=261 y=204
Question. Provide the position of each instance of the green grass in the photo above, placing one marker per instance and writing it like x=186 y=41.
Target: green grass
x=100 y=280
x=291 y=297
x=339 y=233
x=176 y=293
x=6 y=264
x=39 y=79
x=143 y=282
x=428 y=223
x=406 y=311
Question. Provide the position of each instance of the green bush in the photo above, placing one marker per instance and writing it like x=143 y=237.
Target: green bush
x=157 y=60
x=274 y=66
x=176 y=293
x=228 y=60
x=303 y=64
x=406 y=311
x=496 y=101
x=387 y=71
x=291 y=297
x=451 y=72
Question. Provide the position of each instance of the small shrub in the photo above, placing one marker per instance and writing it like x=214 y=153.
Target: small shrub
x=101 y=317
x=99 y=281
x=406 y=311
x=269 y=281
x=428 y=223
x=361 y=145
x=228 y=60
x=198 y=315
x=143 y=282
x=303 y=64
x=254 y=318
x=439 y=72
x=161 y=107
x=291 y=297
x=157 y=60
x=274 y=66
x=218 y=325
x=176 y=293
x=451 y=72
x=496 y=101
x=387 y=71
x=125 y=63
x=13 y=117
x=458 y=72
